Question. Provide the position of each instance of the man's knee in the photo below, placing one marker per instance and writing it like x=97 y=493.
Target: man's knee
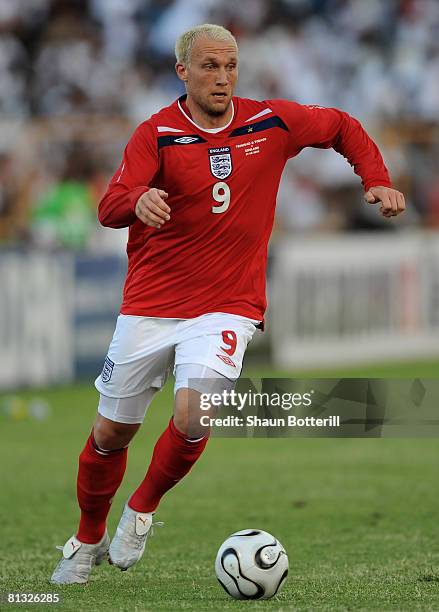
x=110 y=435
x=187 y=414
x=189 y=418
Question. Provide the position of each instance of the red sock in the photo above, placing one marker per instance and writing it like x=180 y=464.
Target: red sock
x=99 y=477
x=173 y=457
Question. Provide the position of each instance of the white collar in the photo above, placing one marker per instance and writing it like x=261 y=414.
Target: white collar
x=209 y=130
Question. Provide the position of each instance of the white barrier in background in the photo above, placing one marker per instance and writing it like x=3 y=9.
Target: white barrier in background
x=35 y=312
x=342 y=300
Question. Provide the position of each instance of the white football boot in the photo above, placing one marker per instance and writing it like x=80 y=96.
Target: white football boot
x=128 y=545
x=78 y=560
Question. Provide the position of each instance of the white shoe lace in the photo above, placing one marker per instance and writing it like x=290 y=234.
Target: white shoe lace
x=141 y=539
x=156 y=524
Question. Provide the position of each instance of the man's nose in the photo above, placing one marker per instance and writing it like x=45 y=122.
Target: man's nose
x=221 y=77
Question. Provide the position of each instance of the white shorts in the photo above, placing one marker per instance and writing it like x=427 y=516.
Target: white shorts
x=144 y=350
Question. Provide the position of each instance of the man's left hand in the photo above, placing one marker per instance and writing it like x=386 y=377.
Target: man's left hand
x=392 y=201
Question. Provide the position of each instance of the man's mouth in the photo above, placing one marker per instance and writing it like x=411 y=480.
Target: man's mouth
x=219 y=96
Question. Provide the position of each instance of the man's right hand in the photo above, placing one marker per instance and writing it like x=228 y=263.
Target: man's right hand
x=152 y=209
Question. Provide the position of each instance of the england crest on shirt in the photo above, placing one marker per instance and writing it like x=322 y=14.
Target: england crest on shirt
x=220 y=162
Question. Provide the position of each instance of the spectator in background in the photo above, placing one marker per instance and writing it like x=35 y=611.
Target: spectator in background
x=11 y=217
x=64 y=216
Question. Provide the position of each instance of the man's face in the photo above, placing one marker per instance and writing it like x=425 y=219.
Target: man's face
x=211 y=74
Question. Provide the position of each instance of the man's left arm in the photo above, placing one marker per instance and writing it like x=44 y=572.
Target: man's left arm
x=315 y=126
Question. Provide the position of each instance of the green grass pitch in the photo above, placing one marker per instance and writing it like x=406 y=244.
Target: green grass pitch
x=359 y=518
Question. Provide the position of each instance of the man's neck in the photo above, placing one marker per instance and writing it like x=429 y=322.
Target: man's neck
x=205 y=120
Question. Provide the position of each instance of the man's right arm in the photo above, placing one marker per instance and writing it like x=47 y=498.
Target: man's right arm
x=132 y=179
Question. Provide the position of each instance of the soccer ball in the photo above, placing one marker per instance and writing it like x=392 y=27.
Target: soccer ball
x=251 y=564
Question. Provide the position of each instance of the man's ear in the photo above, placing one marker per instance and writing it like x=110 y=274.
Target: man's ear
x=181 y=71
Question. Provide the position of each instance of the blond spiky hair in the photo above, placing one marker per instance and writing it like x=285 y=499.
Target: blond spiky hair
x=184 y=44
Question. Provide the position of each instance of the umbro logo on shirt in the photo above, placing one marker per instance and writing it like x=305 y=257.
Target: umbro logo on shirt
x=169 y=140
x=186 y=139
x=226 y=360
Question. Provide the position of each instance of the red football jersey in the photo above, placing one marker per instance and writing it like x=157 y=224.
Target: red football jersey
x=222 y=185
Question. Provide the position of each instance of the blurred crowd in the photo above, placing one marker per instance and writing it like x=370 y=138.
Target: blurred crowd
x=77 y=76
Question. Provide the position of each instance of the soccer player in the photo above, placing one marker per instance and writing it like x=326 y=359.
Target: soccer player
x=197 y=188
